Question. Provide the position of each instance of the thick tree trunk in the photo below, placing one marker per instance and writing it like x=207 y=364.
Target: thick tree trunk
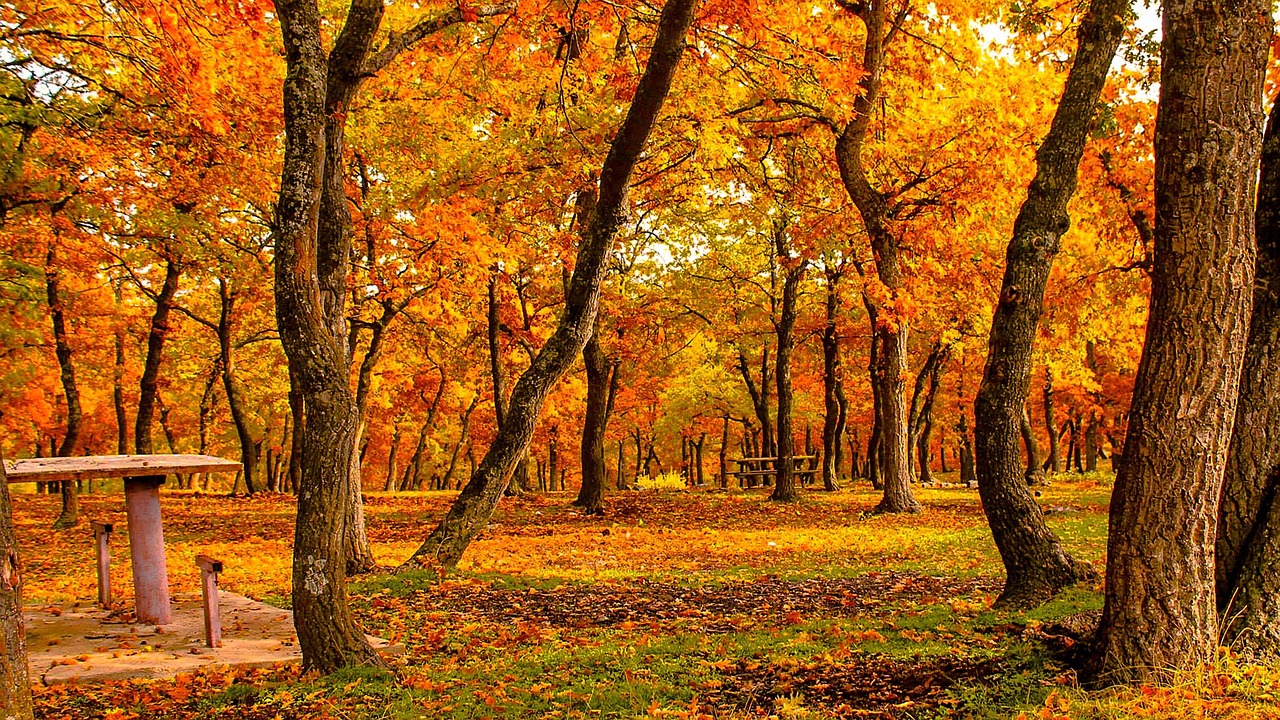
x=1248 y=549
x=159 y=332
x=1054 y=463
x=393 y=469
x=1036 y=564
x=893 y=450
x=784 y=488
x=1160 y=613
x=70 y=513
x=475 y=504
x=15 y=685
x=968 y=467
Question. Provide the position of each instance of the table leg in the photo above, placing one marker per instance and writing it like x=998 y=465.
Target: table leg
x=146 y=544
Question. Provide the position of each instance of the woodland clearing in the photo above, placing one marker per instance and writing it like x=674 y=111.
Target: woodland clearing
x=674 y=604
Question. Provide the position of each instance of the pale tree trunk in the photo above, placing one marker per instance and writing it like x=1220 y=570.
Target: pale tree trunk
x=70 y=513
x=1160 y=614
x=1036 y=564
x=475 y=504
x=15 y=685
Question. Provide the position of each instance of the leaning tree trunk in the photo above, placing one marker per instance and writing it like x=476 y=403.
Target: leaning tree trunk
x=784 y=487
x=1036 y=564
x=70 y=514
x=235 y=393
x=1248 y=550
x=475 y=504
x=1160 y=614
x=15 y=685
x=159 y=332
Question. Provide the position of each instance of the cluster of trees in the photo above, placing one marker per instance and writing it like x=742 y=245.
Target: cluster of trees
x=791 y=244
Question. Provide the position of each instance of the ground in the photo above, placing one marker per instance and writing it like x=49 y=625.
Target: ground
x=674 y=604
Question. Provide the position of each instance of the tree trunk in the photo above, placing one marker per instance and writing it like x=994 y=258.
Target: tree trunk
x=117 y=380
x=620 y=482
x=784 y=488
x=832 y=412
x=968 y=468
x=874 y=440
x=1034 y=474
x=1248 y=549
x=475 y=504
x=392 y=469
x=159 y=332
x=874 y=208
x=235 y=393
x=1053 y=464
x=1159 y=615
x=15 y=685
x=1036 y=564
x=591 y=494
x=463 y=435
x=759 y=396
x=70 y=513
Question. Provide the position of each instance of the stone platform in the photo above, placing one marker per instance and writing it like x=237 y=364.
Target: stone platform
x=89 y=644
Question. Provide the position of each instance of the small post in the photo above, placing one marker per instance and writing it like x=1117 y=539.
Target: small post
x=209 y=569
x=102 y=545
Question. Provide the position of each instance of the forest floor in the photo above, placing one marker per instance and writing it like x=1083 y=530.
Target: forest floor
x=701 y=604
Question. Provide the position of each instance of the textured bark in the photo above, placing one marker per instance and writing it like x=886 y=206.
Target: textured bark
x=1248 y=548
x=784 y=487
x=1160 y=612
x=832 y=416
x=15 y=685
x=159 y=332
x=924 y=433
x=874 y=208
x=474 y=505
x=308 y=308
x=602 y=387
x=70 y=513
x=968 y=468
x=1036 y=564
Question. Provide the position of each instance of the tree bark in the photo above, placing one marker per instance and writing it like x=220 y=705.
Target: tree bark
x=832 y=415
x=142 y=443
x=70 y=513
x=1036 y=564
x=784 y=487
x=1248 y=548
x=475 y=504
x=759 y=396
x=968 y=468
x=1160 y=612
x=117 y=380
x=15 y=684
x=1054 y=463
x=602 y=386
x=235 y=392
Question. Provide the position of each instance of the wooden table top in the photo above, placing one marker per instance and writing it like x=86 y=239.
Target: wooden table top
x=107 y=466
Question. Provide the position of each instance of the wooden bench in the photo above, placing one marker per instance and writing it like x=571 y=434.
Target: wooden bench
x=143 y=475
x=209 y=569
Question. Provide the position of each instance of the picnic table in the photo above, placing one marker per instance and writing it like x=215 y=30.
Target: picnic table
x=143 y=475
x=805 y=467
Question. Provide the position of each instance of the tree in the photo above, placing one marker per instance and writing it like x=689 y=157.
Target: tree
x=1160 y=614
x=1248 y=548
x=1036 y=565
x=475 y=504
x=15 y=687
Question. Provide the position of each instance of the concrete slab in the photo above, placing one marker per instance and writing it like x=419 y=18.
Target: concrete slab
x=86 y=644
